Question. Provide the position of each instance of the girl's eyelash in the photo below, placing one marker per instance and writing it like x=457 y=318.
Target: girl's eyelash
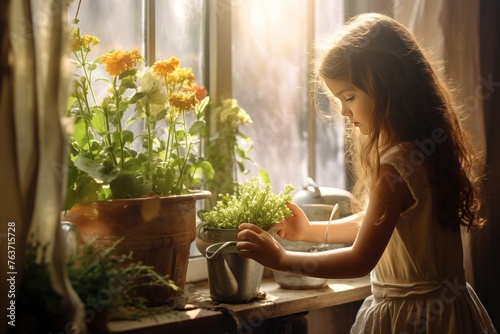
x=349 y=99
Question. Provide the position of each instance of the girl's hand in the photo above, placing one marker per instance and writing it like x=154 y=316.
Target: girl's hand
x=294 y=227
x=259 y=246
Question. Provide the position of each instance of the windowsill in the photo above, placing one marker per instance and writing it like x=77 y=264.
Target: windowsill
x=197 y=269
x=278 y=302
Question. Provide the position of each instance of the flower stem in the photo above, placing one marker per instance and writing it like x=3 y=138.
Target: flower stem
x=167 y=146
x=119 y=122
x=150 y=144
x=108 y=134
x=87 y=73
x=188 y=148
x=86 y=87
x=87 y=126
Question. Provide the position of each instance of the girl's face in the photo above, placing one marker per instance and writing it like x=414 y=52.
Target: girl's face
x=356 y=104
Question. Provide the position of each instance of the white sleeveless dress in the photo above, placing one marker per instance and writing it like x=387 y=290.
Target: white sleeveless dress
x=419 y=286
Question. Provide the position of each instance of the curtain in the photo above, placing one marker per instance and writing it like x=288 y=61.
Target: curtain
x=485 y=245
x=35 y=68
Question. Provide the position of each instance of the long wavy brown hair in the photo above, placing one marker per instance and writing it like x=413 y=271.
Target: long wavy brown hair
x=379 y=56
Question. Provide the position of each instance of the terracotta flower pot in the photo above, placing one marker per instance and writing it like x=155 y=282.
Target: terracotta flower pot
x=157 y=230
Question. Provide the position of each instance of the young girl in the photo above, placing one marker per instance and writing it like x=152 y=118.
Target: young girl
x=417 y=185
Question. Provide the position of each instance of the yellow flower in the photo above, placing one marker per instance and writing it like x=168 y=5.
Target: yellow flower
x=119 y=61
x=165 y=67
x=184 y=101
x=183 y=75
x=84 y=41
x=89 y=40
x=231 y=113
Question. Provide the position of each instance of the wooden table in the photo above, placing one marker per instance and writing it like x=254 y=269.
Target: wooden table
x=201 y=315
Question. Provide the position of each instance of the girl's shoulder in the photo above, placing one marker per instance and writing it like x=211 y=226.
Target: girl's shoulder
x=408 y=160
x=398 y=153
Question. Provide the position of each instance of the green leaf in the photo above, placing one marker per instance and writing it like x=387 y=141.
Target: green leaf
x=136 y=97
x=106 y=80
x=201 y=106
x=71 y=176
x=132 y=165
x=241 y=152
x=123 y=106
x=96 y=170
x=128 y=136
x=122 y=185
x=79 y=132
x=129 y=152
x=71 y=101
x=264 y=176
x=87 y=190
x=91 y=66
x=128 y=83
x=197 y=127
x=142 y=157
x=208 y=170
x=161 y=115
x=127 y=73
x=140 y=189
x=99 y=122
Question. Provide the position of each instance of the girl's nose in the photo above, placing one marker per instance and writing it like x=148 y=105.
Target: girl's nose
x=345 y=111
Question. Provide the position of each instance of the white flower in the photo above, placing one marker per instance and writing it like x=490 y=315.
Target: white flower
x=153 y=87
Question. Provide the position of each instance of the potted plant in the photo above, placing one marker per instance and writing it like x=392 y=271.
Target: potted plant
x=253 y=203
x=228 y=148
x=105 y=281
x=135 y=171
x=109 y=284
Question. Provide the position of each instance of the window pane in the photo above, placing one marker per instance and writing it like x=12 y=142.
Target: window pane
x=180 y=32
x=270 y=80
x=121 y=31
x=270 y=83
x=330 y=167
x=117 y=23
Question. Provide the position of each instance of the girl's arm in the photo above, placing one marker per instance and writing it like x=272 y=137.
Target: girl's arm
x=387 y=201
x=298 y=227
x=340 y=231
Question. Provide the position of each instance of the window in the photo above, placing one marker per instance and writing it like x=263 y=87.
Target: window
x=271 y=55
x=258 y=52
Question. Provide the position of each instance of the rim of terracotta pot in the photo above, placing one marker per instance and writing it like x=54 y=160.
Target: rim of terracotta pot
x=194 y=195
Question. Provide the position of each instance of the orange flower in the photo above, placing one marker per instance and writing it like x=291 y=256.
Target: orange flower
x=184 y=101
x=199 y=91
x=119 y=61
x=164 y=67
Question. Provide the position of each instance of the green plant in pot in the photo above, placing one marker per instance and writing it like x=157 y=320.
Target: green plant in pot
x=253 y=202
x=142 y=137
x=109 y=284
x=135 y=169
x=105 y=281
x=228 y=149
